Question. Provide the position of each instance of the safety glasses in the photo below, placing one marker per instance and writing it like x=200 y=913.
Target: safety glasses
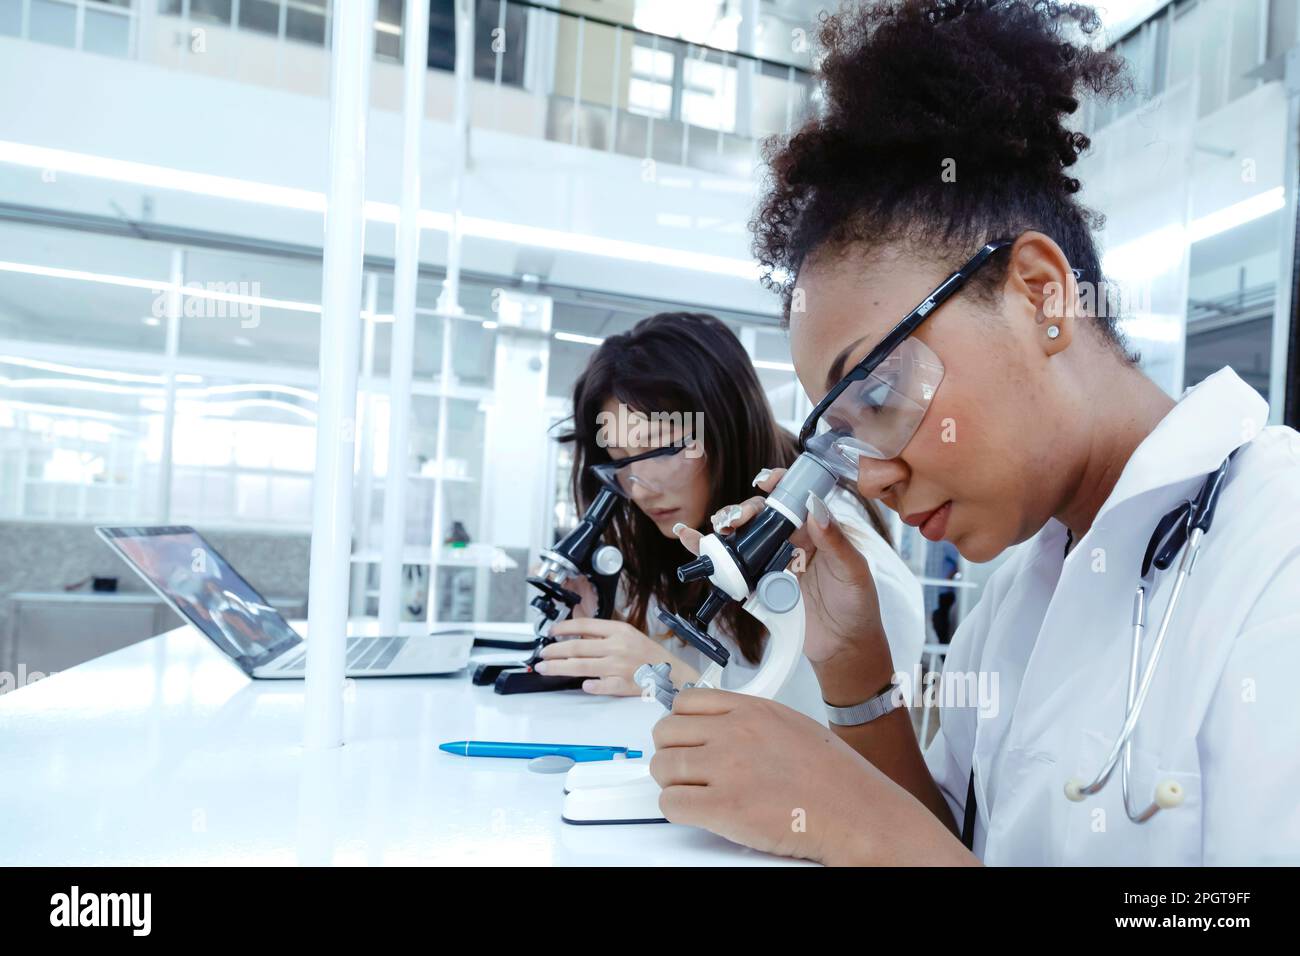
x=875 y=409
x=655 y=470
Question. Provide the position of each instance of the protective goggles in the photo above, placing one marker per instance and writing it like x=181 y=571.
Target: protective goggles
x=874 y=410
x=656 y=470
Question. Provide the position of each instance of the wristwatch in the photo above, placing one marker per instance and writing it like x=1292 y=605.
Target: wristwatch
x=856 y=715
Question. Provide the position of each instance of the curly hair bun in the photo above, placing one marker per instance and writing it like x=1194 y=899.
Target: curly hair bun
x=941 y=120
x=987 y=82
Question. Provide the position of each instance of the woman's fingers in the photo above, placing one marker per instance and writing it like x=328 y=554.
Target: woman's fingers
x=691 y=806
x=565 y=650
x=587 y=627
x=681 y=730
x=678 y=766
x=611 y=687
x=689 y=537
x=573 y=667
x=768 y=478
x=734 y=516
x=825 y=534
x=705 y=701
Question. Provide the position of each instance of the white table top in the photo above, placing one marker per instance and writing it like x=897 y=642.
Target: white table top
x=165 y=753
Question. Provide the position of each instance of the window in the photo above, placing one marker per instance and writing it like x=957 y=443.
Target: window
x=262 y=16
x=306 y=20
x=52 y=21
x=1283 y=20
x=650 y=89
x=78 y=442
x=106 y=32
x=210 y=11
x=709 y=92
x=492 y=33
x=243 y=452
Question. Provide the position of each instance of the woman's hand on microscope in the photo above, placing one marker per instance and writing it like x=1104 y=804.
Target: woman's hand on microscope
x=763 y=775
x=607 y=653
x=843 y=613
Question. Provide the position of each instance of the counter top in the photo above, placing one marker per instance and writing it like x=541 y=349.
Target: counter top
x=165 y=753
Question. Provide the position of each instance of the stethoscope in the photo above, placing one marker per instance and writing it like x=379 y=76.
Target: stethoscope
x=1183 y=529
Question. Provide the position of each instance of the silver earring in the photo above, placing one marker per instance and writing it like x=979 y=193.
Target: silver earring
x=1053 y=331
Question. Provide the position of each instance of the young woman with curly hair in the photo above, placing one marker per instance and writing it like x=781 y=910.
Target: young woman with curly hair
x=935 y=261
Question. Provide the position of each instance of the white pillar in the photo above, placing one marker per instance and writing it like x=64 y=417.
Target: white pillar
x=1284 y=304
x=449 y=301
x=175 y=306
x=331 y=533
x=363 y=509
x=415 y=57
x=746 y=70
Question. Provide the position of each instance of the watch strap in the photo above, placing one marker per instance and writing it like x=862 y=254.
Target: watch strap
x=870 y=709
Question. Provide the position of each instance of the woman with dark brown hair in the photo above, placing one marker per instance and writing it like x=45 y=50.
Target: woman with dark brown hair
x=674 y=405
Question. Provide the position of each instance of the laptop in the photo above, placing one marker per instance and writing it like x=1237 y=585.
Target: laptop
x=201 y=586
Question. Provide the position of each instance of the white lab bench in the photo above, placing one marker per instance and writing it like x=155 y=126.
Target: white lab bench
x=165 y=753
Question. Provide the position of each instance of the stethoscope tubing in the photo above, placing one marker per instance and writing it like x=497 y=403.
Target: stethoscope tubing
x=1138 y=691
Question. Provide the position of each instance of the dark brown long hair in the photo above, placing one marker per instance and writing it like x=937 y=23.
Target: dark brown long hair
x=681 y=362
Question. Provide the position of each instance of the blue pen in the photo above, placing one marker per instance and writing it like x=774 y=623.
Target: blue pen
x=579 y=753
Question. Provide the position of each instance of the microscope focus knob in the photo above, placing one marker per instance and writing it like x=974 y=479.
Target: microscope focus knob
x=779 y=590
x=607 y=560
x=701 y=567
x=654 y=681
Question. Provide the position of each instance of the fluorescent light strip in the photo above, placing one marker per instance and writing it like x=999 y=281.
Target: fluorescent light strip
x=775 y=366
x=228 y=408
x=81 y=275
x=75 y=385
x=1238 y=214
x=253 y=387
x=160 y=177
x=244 y=190
x=290 y=305
x=158 y=286
x=1159 y=250
x=610 y=248
x=579 y=339
x=64 y=412
x=76 y=370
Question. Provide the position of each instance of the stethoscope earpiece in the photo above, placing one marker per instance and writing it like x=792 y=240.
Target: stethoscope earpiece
x=1169 y=795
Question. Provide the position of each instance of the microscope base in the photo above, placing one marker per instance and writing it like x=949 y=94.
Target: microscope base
x=520 y=681
x=485 y=674
x=615 y=793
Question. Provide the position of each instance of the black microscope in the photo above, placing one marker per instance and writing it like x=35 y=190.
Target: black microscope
x=748 y=566
x=579 y=554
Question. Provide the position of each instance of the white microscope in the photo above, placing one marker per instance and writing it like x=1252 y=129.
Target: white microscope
x=748 y=565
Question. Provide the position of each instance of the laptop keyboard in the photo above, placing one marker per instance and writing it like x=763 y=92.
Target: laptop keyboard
x=364 y=654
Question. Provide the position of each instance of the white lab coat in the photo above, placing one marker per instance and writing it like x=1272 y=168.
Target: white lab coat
x=902 y=610
x=1223 y=715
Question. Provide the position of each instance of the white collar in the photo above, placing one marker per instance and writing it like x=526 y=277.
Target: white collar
x=1209 y=421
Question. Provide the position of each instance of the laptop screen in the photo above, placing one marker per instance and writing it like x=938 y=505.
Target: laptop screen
x=198 y=583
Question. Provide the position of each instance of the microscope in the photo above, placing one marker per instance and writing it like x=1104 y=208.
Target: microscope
x=746 y=566
x=579 y=554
